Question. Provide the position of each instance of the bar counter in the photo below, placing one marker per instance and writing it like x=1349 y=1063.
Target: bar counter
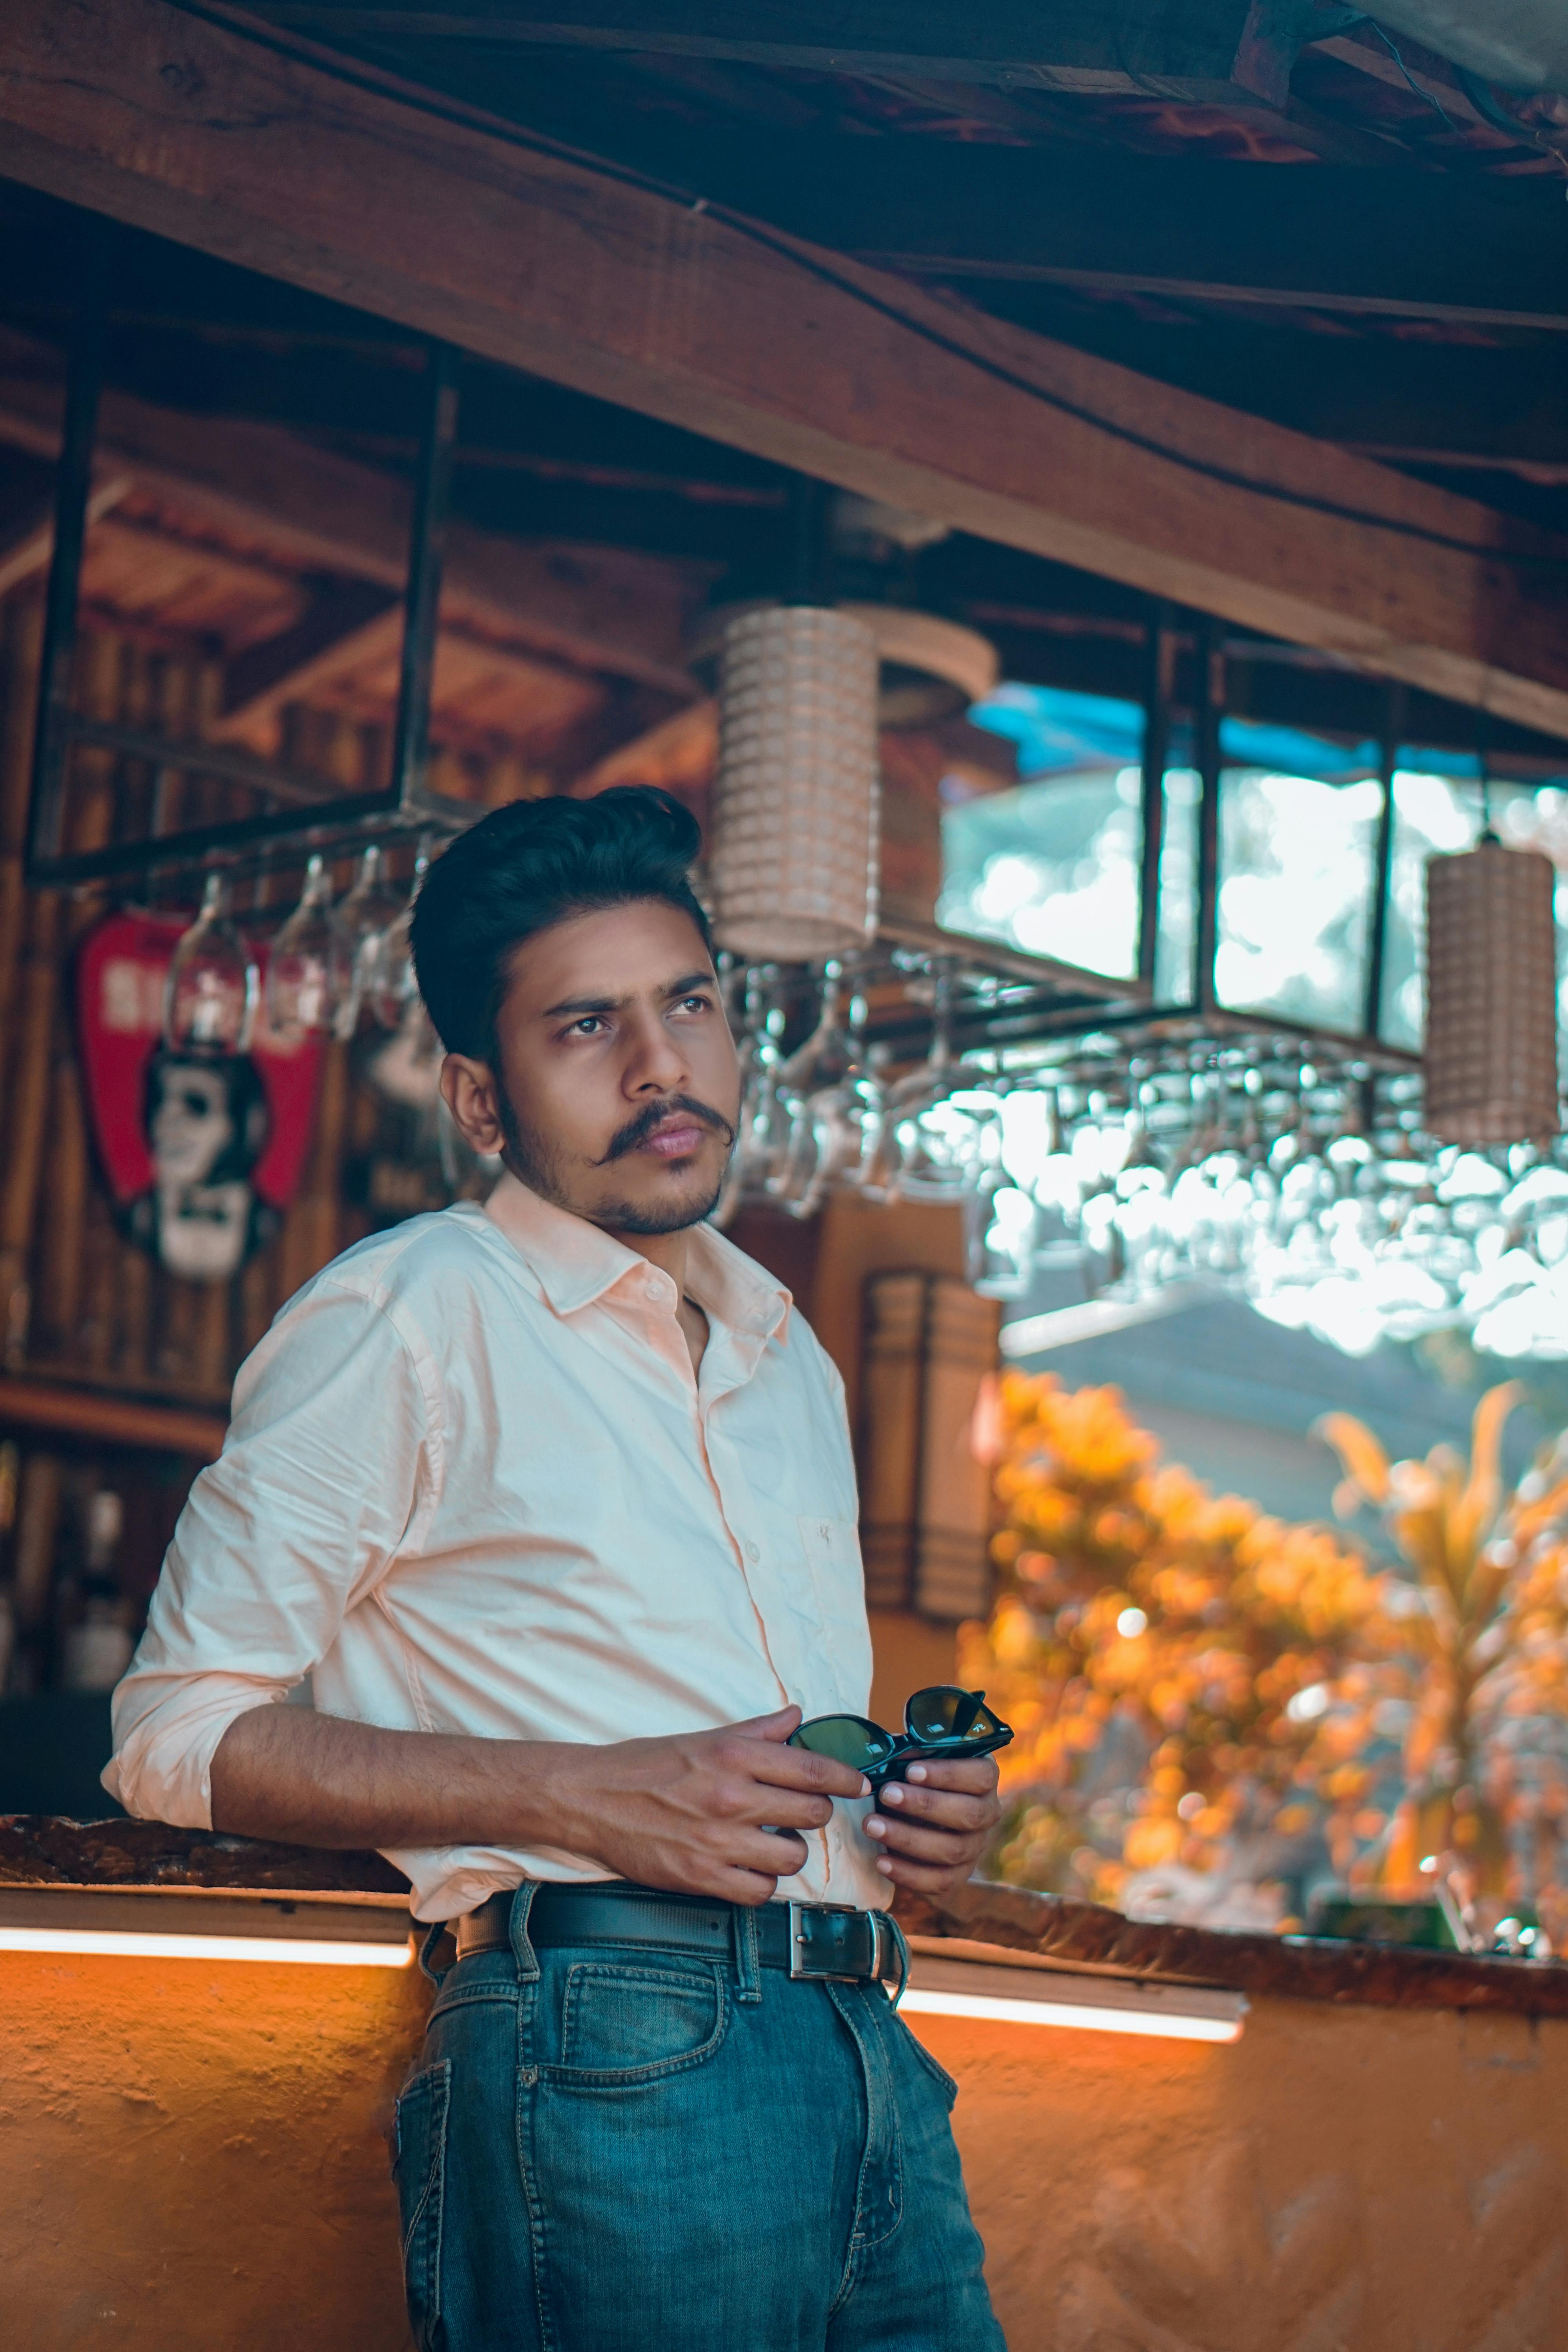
x=1373 y=2156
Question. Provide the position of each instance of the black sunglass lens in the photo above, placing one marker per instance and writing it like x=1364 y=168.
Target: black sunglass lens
x=846 y=1738
x=946 y=1713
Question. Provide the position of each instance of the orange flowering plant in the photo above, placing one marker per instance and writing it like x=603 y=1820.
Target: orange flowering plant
x=1207 y=1695
x=1480 y=1675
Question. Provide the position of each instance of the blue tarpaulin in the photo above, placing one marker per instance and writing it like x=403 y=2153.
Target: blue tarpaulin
x=1056 y=732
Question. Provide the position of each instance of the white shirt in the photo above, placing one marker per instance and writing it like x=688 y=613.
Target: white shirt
x=472 y=1485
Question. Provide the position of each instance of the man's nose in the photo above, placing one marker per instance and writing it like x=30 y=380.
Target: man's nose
x=655 y=1063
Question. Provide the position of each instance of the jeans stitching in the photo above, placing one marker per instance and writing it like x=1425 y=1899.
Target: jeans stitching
x=432 y=2196
x=859 y=2238
x=527 y=2092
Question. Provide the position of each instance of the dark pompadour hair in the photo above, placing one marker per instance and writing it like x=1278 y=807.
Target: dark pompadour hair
x=527 y=866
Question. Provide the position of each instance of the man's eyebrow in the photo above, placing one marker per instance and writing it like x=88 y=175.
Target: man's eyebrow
x=577 y=1006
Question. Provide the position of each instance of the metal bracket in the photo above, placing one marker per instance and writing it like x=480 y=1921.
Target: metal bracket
x=312 y=816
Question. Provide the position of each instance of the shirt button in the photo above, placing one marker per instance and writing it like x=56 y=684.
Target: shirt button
x=751 y=1552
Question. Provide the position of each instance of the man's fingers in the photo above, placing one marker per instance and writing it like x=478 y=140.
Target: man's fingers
x=921 y=1878
x=750 y=1887
x=939 y=1808
x=972 y=1775
x=777 y=1726
x=777 y=1809
x=778 y=1852
x=950 y=1846
x=798 y=1768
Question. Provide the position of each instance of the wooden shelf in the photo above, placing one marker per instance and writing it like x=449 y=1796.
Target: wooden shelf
x=109 y=1419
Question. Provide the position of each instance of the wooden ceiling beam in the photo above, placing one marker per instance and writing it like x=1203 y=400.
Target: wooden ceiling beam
x=1429 y=402
x=1451 y=247
x=1204 y=51
x=1466 y=248
x=348 y=624
x=416 y=209
x=27 y=543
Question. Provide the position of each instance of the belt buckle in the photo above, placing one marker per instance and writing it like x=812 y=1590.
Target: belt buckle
x=828 y=1964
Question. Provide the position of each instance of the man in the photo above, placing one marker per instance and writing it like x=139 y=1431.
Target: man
x=553 y=1501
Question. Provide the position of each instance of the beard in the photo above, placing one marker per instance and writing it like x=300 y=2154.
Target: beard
x=535 y=1164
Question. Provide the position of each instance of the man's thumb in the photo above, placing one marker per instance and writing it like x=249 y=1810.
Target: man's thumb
x=769 y=1727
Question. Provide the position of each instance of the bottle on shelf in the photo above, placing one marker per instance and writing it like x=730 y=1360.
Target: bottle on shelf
x=97 y=1645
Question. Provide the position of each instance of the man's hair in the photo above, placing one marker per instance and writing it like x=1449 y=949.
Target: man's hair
x=528 y=866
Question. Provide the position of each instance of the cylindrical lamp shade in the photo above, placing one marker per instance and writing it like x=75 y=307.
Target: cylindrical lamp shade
x=1491 y=997
x=794 y=863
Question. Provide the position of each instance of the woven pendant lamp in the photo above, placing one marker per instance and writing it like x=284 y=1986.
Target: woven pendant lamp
x=793 y=866
x=1491 y=997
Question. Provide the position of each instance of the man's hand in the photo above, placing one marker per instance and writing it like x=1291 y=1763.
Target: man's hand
x=933 y=1826
x=705 y=1812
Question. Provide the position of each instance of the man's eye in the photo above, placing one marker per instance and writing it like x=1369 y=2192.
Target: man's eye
x=588 y=1026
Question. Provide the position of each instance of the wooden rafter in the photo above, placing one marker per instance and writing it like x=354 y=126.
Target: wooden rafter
x=603 y=609
x=192 y=130
x=1167 y=49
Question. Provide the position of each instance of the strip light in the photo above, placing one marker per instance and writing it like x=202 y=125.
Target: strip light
x=177 y=1924
x=1170 y=2028
x=141 y=1944
x=951 y=1978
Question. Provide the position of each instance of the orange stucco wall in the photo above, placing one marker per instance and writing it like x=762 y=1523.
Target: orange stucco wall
x=191 y=2160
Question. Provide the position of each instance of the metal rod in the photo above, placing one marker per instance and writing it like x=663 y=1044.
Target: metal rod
x=422 y=595
x=809 y=564
x=1209 y=711
x=193 y=757
x=1158 y=680
x=335 y=823
x=73 y=484
x=1382 y=859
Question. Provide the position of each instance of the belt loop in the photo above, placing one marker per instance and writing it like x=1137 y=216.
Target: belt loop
x=900 y=1945
x=427 y=1943
x=522 y=1951
x=748 y=1972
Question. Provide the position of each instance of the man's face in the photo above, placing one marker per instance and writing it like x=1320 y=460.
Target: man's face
x=618 y=1089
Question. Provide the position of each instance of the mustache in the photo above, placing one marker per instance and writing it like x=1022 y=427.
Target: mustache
x=638 y=1130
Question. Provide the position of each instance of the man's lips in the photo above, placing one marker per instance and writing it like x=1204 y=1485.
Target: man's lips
x=676 y=1139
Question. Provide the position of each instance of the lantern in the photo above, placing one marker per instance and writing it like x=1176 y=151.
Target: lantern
x=795 y=855
x=1491 y=997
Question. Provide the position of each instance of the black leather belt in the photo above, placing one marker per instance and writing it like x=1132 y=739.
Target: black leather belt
x=808 y=1939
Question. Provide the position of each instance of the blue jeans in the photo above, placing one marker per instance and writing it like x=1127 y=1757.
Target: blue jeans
x=606 y=2148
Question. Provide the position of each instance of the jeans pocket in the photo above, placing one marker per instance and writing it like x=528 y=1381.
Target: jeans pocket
x=622 y=2027
x=419 y=2170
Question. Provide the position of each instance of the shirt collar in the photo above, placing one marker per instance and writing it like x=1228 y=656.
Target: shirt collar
x=577 y=1262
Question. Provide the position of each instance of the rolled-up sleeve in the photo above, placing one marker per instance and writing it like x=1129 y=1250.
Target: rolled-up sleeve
x=331 y=1463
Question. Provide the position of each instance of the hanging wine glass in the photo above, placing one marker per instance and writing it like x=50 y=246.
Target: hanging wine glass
x=836 y=1127
x=308 y=971
x=365 y=915
x=934 y=1140
x=388 y=983
x=760 y=1160
x=209 y=997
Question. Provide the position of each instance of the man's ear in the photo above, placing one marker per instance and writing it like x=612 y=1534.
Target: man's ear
x=469 y=1090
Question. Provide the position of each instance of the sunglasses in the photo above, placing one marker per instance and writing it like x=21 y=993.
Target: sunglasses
x=940 y=1723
